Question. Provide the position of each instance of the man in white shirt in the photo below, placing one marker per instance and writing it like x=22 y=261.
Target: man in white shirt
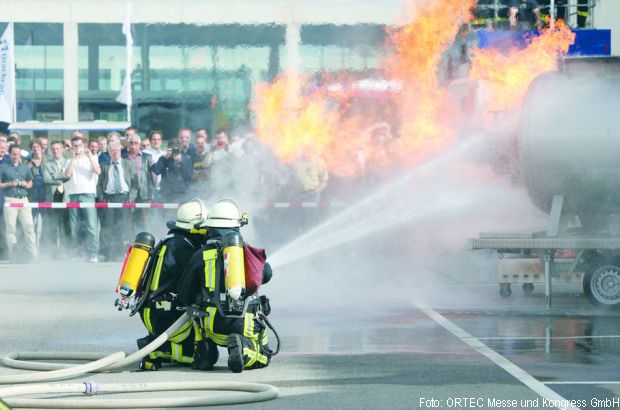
x=84 y=170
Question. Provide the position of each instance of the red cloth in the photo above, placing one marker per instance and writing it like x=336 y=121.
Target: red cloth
x=254 y=261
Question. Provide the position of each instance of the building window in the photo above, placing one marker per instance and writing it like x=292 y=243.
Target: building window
x=39 y=71
x=183 y=75
x=101 y=70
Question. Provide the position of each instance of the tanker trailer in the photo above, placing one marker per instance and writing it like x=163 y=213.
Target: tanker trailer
x=569 y=152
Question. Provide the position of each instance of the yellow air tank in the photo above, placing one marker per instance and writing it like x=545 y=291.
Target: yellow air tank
x=234 y=265
x=135 y=263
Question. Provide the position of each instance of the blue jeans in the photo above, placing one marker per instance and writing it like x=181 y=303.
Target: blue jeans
x=87 y=217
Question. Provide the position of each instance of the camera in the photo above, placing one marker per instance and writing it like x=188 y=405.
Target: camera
x=176 y=151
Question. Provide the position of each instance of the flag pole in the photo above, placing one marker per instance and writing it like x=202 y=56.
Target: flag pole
x=128 y=57
x=129 y=114
x=124 y=97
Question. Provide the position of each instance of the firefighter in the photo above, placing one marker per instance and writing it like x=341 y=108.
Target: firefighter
x=221 y=281
x=161 y=308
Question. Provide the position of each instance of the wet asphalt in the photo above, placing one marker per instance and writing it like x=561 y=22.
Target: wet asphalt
x=354 y=344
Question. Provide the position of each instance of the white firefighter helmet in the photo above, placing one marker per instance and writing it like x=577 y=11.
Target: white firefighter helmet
x=225 y=213
x=191 y=215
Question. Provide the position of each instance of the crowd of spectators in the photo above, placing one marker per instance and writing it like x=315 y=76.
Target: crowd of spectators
x=129 y=168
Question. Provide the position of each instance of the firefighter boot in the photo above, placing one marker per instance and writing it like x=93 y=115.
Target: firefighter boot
x=142 y=342
x=147 y=363
x=235 y=353
x=205 y=355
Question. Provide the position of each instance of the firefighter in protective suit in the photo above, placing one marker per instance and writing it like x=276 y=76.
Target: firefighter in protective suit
x=161 y=307
x=228 y=314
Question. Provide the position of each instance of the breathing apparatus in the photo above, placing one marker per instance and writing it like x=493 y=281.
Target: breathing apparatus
x=225 y=213
x=134 y=282
x=234 y=268
x=134 y=266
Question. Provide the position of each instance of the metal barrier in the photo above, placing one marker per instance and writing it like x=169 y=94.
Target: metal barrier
x=573 y=9
x=159 y=205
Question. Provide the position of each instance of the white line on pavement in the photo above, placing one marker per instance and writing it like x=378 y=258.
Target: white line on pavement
x=495 y=357
x=547 y=338
x=589 y=382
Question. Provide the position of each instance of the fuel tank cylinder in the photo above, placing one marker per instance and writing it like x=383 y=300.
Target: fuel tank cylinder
x=569 y=142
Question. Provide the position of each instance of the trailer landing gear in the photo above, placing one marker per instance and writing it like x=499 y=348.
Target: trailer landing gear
x=504 y=290
x=528 y=288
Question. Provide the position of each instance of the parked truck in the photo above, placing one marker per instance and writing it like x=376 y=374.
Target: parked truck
x=569 y=152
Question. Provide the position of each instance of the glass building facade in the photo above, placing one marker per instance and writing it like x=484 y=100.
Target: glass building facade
x=39 y=71
x=194 y=63
x=183 y=75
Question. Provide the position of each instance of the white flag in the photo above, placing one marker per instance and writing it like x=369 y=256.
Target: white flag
x=125 y=95
x=7 y=75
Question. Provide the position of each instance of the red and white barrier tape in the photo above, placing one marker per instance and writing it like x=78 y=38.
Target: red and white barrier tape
x=105 y=205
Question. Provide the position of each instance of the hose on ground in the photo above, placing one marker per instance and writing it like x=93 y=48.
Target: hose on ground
x=259 y=392
x=115 y=361
x=59 y=371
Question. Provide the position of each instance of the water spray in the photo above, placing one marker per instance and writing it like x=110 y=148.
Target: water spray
x=369 y=216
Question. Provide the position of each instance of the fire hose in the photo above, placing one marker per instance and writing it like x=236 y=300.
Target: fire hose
x=107 y=363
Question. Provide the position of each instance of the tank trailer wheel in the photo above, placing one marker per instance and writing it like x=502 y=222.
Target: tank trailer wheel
x=528 y=288
x=602 y=286
x=504 y=290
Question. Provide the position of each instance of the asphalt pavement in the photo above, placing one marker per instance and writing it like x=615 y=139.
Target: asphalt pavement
x=370 y=348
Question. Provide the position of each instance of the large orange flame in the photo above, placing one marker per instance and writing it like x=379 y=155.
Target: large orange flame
x=289 y=119
x=288 y=122
x=508 y=73
x=288 y=125
x=426 y=107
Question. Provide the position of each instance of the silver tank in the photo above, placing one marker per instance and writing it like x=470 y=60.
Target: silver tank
x=569 y=140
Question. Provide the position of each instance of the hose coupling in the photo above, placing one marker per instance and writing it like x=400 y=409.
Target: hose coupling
x=92 y=388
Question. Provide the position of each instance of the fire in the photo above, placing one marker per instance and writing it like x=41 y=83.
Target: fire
x=508 y=73
x=426 y=106
x=288 y=123
x=353 y=143
x=289 y=120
